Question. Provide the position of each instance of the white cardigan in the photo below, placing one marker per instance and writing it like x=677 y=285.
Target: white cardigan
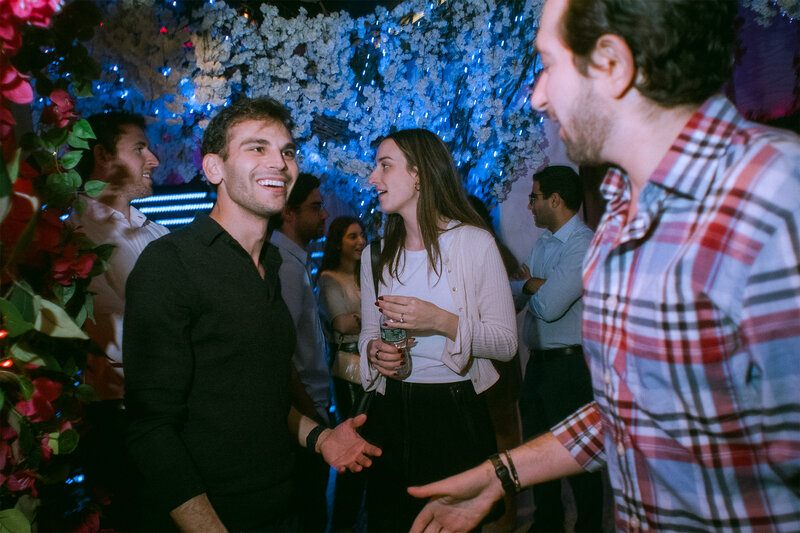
x=487 y=323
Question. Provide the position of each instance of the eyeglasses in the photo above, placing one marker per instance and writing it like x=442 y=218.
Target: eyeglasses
x=532 y=197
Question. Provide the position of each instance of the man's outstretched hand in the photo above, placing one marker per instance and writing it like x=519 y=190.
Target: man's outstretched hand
x=457 y=503
x=344 y=449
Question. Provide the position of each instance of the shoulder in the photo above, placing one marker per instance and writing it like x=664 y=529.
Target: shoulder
x=466 y=233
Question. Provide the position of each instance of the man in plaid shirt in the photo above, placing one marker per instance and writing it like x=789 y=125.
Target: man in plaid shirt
x=691 y=321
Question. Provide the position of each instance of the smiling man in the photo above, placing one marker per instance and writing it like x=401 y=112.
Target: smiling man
x=208 y=346
x=120 y=157
x=691 y=298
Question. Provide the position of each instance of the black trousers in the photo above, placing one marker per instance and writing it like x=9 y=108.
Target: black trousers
x=427 y=432
x=350 y=486
x=557 y=383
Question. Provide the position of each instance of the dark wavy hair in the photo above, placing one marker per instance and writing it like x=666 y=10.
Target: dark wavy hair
x=215 y=139
x=563 y=180
x=441 y=195
x=107 y=128
x=332 y=252
x=683 y=49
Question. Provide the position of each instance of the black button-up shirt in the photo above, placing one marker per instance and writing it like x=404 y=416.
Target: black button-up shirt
x=207 y=351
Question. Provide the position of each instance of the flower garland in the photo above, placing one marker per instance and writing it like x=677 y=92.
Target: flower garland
x=767 y=9
x=460 y=69
x=45 y=270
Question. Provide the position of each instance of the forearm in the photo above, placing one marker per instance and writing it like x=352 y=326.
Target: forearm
x=301 y=425
x=198 y=515
x=347 y=324
x=543 y=459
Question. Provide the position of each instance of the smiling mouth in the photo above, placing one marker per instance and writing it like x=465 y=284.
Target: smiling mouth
x=272 y=183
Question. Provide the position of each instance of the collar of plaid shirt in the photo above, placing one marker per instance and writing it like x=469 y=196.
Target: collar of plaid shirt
x=691 y=329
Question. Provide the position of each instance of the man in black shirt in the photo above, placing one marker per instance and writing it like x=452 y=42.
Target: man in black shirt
x=208 y=344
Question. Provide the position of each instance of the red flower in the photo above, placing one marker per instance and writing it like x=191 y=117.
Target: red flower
x=39 y=408
x=72 y=265
x=9 y=31
x=61 y=112
x=7 y=124
x=35 y=11
x=91 y=524
x=13 y=85
x=22 y=480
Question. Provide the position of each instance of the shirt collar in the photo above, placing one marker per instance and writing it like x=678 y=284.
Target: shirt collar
x=101 y=212
x=705 y=137
x=285 y=243
x=565 y=232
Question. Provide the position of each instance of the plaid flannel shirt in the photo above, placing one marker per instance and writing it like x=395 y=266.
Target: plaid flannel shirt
x=692 y=333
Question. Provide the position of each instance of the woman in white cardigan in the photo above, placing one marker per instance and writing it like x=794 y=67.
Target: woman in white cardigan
x=442 y=280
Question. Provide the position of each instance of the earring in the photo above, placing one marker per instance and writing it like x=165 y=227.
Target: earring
x=416 y=186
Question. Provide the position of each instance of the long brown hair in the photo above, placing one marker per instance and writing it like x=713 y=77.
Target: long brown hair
x=441 y=196
x=332 y=253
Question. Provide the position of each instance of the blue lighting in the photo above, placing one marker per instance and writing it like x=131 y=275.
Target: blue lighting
x=171 y=197
x=176 y=208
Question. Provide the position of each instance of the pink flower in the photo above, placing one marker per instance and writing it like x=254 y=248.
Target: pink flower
x=7 y=124
x=71 y=265
x=39 y=408
x=9 y=31
x=47 y=451
x=61 y=112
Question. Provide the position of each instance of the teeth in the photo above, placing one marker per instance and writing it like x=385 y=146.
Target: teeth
x=270 y=183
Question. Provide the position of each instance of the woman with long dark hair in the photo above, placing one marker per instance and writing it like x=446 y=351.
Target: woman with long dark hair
x=443 y=284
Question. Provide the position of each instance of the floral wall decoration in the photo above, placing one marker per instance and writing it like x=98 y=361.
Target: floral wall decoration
x=461 y=69
x=768 y=9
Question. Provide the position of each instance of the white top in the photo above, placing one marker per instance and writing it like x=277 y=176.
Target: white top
x=310 y=353
x=104 y=225
x=477 y=280
x=418 y=280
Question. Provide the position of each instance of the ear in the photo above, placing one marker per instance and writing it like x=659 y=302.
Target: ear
x=612 y=62
x=287 y=215
x=213 y=169
x=555 y=200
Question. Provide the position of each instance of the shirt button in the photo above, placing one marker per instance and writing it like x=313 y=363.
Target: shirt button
x=635 y=522
x=454 y=289
x=460 y=309
x=620 y=449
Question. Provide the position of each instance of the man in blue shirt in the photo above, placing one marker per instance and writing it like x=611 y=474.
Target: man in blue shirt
x=557 y=380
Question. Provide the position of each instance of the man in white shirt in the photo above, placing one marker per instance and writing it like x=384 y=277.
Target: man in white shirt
x=557 y=380
x=300 y=222
x=120 y=157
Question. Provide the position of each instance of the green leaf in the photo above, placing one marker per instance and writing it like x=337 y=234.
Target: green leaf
x=83 y=129
x=104 y=251
x=43 y=160
x=30 y=141
x=71 y=159
x=88 y=304
x=54 y=138
x=15 y=323
x=72 y=179
x=82 y=88
x=13 y=521
x=13 y=166
x=83 y=314
x=22 y=296
x=21 y=354
x=85 y=393
x=52 y=320
x=79 y=205
x=67 y=442
x=64 y=292
x=94 y=187
x=25 y=387
x=76 y=142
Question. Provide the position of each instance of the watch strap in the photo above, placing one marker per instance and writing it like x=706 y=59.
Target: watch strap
x=503 y=474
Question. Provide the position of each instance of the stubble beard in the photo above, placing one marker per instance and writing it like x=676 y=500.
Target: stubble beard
x=589 y=127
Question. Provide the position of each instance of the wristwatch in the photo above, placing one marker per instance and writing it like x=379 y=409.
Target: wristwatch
x=502 y=474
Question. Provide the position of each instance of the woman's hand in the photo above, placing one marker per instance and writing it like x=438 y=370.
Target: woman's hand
x=385 y=358
x=408 y=312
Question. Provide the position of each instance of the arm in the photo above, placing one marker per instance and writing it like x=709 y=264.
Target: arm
x=458 y=503
x=564 y=283
x=158 y=376
x=197 y=514
x=370 y=329
x=333 y=303
x=341 y=447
